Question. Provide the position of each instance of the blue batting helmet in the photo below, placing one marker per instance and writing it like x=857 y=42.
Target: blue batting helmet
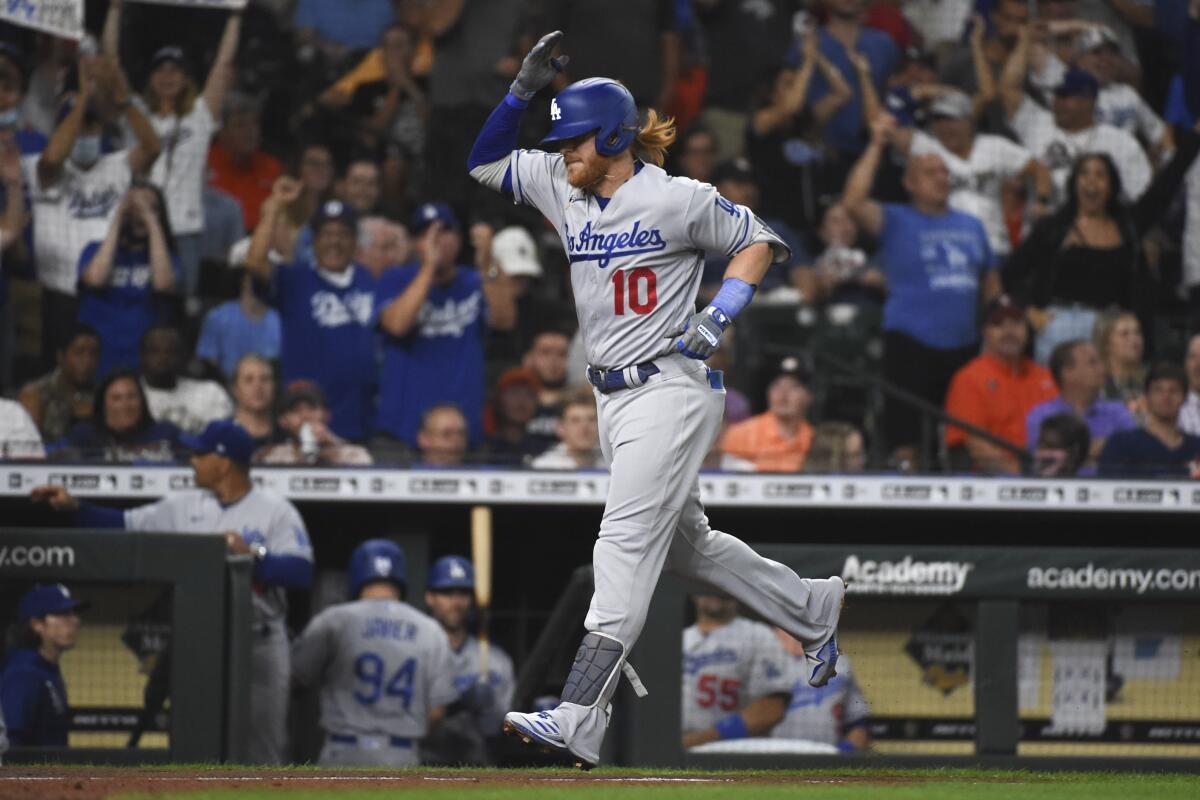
x=451 y=572
x=599 y=105
x=377 y=560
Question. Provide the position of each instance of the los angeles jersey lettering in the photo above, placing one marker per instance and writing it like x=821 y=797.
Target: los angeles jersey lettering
x=642 y=253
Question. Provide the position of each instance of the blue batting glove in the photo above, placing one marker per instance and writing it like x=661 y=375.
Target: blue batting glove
x=701 y=334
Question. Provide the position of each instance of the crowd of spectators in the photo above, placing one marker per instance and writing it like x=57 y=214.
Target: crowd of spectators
x=997 y=204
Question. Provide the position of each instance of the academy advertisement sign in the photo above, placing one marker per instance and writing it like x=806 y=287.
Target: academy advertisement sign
x=906 y=576
x=979 y=572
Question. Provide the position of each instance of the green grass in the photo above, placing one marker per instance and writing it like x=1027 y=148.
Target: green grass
x=931 y=784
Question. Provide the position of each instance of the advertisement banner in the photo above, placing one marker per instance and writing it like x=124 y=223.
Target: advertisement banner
x=1024 y=573
x=58 y=17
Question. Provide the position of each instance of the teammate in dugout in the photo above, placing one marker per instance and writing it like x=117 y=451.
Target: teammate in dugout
x=735 y=674
x=255 y=522
x=383 y=668
x=33 y=695
x=477 y=713
x=636 y=238
x=834 y=714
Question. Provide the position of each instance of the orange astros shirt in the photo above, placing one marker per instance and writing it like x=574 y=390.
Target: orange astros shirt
x=990 y=394
x=250 y=187
x=760 y=441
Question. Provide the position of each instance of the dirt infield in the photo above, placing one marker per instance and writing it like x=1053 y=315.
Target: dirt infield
x=97 y=783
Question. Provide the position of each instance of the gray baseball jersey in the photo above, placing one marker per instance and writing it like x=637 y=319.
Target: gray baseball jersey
x=261 y=517
x=636 y=264
x=729 y=668
x=465 y=668
x=825 y=714
x=381 y=665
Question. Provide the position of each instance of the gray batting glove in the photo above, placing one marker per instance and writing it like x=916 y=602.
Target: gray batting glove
x=538 y=69
x=701 y=335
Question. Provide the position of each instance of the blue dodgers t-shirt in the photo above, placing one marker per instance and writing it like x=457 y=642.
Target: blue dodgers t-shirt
x=228 y=334
x=441 y=358
x=329 y=338
x=123 y=311
x=934 y=267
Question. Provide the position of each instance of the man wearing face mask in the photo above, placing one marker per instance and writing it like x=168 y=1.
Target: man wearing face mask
x=75 y=187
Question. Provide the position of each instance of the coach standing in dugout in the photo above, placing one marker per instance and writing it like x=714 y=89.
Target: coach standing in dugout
x=476 y=715
x=33 y=695
x=255 y=522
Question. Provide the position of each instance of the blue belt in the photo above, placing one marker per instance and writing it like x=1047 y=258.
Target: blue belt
x=613 y=380
x=349 y=738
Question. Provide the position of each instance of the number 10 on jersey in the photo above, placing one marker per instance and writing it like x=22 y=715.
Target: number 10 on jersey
x=635 y=289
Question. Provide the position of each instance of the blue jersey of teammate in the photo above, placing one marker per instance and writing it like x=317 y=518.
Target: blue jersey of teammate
x=328 y=338
x=440 y=360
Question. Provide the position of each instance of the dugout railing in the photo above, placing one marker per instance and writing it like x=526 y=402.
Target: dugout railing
x=194 y=689
x=1057 y=618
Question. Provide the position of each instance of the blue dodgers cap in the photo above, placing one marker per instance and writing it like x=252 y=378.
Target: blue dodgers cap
x=429 y=213
x=1078 y=83
x=223 y=437
x=48 y=599
x=334 y=211
x=451 y=572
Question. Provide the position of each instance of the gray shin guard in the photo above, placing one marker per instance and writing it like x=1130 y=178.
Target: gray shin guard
x=598 y=664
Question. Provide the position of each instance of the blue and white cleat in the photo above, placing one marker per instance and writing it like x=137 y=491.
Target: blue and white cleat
x=540 y=730
x=822 y=665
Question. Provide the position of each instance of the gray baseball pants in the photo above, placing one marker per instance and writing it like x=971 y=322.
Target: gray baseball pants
x=271 y=668
x=655 y=437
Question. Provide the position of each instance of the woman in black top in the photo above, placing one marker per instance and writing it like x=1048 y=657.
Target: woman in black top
x=1087 y=256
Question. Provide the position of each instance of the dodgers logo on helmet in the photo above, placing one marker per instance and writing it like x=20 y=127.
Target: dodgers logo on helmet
x=375 y=560
x=451 y=572
x=595 y=105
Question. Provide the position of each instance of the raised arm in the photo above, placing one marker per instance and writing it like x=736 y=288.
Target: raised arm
x=789 y=104
x=58 y=149
x=220 y=75
x=498 y=288
x=984 y=80
x=162 y=271
x=110 y=38
x=840 y=92
x=98 y=270
x=1012 y=79
x=870 y=98
x=110 y=75
x=488 y=161
x=15 y=215
x=258 y=258
x=856 y=197
x=399 y=316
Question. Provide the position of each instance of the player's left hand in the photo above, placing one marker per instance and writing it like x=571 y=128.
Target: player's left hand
x=539 y=68
x=478 y=698
x=701 y=335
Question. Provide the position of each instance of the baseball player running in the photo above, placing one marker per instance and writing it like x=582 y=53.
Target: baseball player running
x=255 y=521
x=482 y=700
x=636 y=238
x=737 y=679
x=382 y=666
